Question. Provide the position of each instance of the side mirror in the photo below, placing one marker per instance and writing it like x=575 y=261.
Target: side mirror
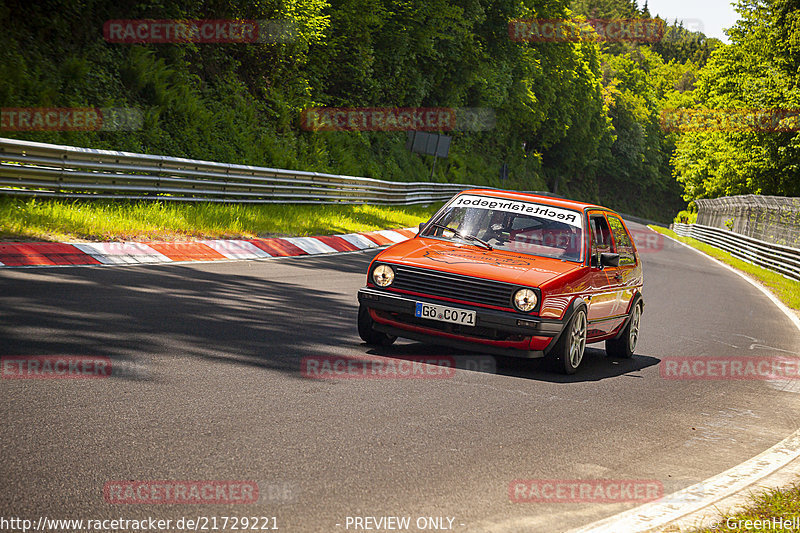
x=422 y=226
x=609 y=260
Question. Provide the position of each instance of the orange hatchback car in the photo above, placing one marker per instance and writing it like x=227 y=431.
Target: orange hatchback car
x=510 y=274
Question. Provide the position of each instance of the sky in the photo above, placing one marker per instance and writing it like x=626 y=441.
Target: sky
x=708 y=16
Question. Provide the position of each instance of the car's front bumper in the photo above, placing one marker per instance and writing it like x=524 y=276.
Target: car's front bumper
x=498 y=332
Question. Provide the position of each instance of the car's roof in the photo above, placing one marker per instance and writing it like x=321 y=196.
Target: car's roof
x=529 y=197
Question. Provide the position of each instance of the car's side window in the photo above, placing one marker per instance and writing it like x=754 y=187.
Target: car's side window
x=623 y=242
x=601 y=235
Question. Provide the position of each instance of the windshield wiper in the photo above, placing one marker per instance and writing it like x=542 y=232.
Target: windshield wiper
x=462 y=236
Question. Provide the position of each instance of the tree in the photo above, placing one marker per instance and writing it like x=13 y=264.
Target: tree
x=757 y=71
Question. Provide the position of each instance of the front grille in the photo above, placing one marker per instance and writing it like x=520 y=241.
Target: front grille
x=456 y=286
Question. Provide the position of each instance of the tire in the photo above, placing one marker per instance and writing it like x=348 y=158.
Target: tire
x=568 y=352
x=625 y=345
x=368 y=333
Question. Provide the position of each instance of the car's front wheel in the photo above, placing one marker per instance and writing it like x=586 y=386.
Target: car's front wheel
x=568 y=352
x=625 y=344
x=367 y=332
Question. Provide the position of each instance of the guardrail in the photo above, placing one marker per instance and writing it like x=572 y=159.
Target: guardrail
x=49 y=170
x=782 y=259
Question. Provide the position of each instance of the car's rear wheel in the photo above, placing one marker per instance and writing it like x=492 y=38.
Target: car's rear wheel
x=568 y=352
x=625 y=345
x=367 y=332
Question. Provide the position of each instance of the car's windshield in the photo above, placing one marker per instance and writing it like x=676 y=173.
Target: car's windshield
x=511 y=225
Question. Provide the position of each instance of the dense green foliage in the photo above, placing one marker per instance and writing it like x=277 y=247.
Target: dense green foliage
x=580 y=119
x=759 y=70
x=638 y=81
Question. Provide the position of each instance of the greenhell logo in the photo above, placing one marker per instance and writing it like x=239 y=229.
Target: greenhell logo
x=454 y=257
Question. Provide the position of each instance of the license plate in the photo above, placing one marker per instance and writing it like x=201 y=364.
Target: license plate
x=445 y=314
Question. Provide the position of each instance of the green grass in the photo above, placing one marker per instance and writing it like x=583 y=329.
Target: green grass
x=787 y=290
x=99 y=220
x=782 y=504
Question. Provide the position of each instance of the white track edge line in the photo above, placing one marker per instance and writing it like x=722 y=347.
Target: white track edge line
x=700 y=495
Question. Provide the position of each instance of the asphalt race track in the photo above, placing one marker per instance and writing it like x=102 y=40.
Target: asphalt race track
x=206 y=385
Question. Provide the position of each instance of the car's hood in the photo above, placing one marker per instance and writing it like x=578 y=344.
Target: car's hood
x=476 y=261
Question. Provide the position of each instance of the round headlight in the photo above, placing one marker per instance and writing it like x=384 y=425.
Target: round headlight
x=525 y=300
x=383 y=275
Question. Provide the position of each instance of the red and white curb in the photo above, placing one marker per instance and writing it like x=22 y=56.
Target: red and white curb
x=44 y=254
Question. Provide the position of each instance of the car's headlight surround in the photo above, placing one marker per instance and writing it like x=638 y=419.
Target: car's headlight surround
x=383 y=275
x=525 y=300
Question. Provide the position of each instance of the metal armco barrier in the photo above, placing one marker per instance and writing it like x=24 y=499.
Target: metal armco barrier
x=49 y=170
x=782 y=259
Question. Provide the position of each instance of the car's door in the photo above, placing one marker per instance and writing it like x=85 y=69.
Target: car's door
x=626 y=274
x=604 y=285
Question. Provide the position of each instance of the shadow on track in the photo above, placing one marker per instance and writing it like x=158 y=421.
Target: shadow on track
x=596 y=365
x=241 y=313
